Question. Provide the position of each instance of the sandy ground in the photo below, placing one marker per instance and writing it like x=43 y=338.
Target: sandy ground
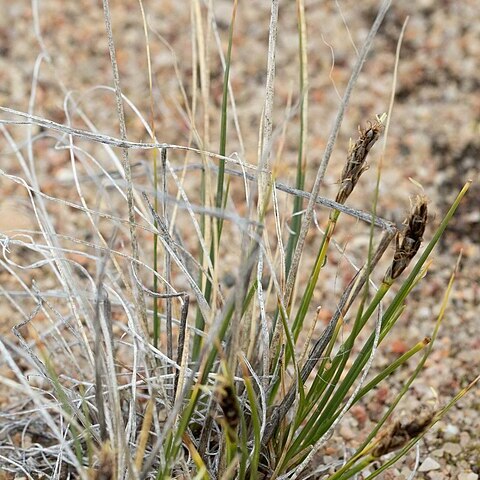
x=433 y=139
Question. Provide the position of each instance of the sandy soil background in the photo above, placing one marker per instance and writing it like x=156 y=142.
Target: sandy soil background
x=434 y=139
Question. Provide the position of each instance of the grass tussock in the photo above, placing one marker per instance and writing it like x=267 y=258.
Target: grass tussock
x=177 y=333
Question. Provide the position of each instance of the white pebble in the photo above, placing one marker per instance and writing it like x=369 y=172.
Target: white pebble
x=428 y=465
x=451 y=432
x=467 y=476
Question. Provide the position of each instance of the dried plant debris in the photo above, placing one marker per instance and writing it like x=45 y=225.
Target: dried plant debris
x=408 y=243
x=356 y=160
x=401 y=431
x=106 y=468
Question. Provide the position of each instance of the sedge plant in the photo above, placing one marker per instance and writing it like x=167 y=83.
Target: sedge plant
x=197 y=369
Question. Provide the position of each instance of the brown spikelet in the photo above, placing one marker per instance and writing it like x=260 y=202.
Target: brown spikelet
x=227 y=400
x=357 y=155
x=408 y=243
x=400 y=432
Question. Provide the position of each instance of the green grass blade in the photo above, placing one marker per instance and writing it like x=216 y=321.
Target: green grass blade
x=391 y=368
x=324 y=418
x=312 y=281
x=256 y=425
x=223 y=122
x=406 y=286
x=401 y=454
x=301 y=159
x=221 y=195
x=417 y=369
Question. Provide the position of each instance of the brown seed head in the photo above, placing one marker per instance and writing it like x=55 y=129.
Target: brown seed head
x=227 y=399
x=357 y=155
x=400 y=432
x=408 y=243
x=417 y=220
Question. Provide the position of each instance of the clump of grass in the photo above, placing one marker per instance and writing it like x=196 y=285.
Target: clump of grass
x=138 y=384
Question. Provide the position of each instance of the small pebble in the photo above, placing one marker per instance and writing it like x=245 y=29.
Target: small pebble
x=428 y=465
x=405 y=472
x=464 y=439
x=438 y=452
x=452 y=448
x=467 y=476
x=451 y=432
x=347 y=433
x=359 y=413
